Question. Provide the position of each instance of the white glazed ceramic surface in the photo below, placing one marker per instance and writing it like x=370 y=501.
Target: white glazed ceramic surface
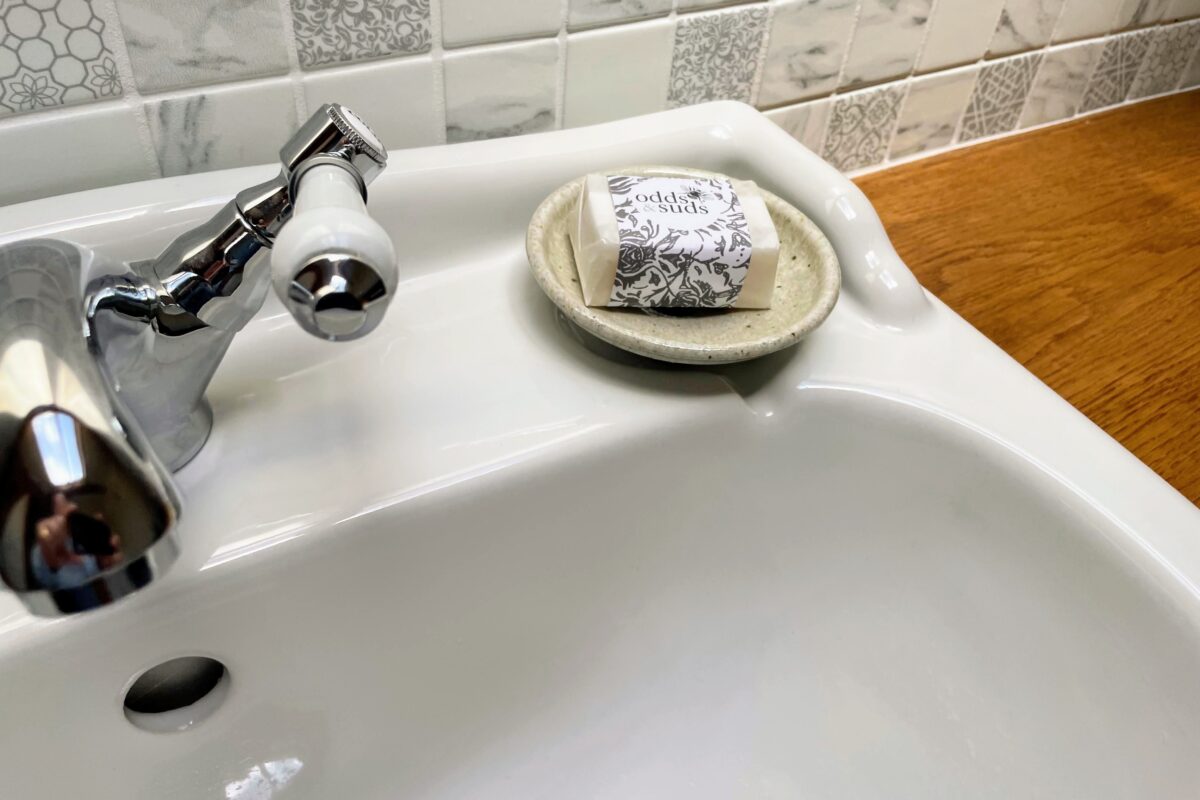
x=806 y=287
x=468 y=557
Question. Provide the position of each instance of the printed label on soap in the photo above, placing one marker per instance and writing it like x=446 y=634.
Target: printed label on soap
x=684 y=242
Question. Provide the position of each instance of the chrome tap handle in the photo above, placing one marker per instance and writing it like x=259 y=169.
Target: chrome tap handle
x=334 y=130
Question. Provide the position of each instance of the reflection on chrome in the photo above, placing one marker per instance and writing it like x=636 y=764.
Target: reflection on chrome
x=264 y=781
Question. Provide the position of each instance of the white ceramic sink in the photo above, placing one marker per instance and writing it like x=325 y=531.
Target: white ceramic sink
x=470 y=557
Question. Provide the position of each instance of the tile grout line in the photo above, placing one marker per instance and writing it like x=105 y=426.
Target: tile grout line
x=841 y=74
x=763 y=49
x=130 y=95
x=560 y=85
x=437 y=56
x=292 y=46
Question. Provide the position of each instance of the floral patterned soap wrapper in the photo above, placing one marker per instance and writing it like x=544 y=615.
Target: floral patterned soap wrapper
x=674 y=242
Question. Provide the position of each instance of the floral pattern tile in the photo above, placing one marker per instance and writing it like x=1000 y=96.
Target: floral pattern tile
x=53 y=53
x=999 y=96
x=339 y=31
x=1166 y=59
x=861 y=125
x=716 y=56
x=1118 y=67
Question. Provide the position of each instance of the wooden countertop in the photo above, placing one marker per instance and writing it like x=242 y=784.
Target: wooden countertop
x=1077 y=249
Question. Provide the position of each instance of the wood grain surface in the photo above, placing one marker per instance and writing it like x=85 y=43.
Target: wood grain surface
x=1076 y=249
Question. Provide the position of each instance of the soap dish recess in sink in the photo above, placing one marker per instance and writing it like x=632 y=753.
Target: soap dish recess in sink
x=807 y=286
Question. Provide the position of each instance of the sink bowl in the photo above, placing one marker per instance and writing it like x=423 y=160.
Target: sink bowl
x=477 y=555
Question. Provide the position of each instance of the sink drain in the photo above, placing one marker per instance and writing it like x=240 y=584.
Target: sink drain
x=176 y=694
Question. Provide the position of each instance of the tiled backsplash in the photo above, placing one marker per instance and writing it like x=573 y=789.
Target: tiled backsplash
x=97 y=92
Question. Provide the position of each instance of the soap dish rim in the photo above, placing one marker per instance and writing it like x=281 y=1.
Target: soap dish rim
x=599 y=320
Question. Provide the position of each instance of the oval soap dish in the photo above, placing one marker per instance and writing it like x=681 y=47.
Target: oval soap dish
x=807 y=285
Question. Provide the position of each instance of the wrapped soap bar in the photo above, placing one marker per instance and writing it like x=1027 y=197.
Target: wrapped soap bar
x=666 y=242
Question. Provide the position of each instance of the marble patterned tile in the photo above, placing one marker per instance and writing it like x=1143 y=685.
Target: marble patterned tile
x=1061 y=80
x=886 y=40
x=999 y=96
x=331 y=32
x=54 y=53
x=861 y=125
x=1116 y=69
x=1191 y=73
x=1083 y=18
x=806 y=47
x=1024 y=25
x=691 y=5
x=502 y=90
x=178 y=44
x=932 y=110
x=395 y=96
x=473 y=21
x=1139 y=13
x=618 y=71
x=585 y=13
x=1184 y=9
x=1171 y=48
x=716 y=55
x=233 y=126
x=806 y=122
x=959 y=33
x=89 y=147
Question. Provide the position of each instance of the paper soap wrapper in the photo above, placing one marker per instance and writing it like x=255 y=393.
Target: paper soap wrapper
x=670 y=242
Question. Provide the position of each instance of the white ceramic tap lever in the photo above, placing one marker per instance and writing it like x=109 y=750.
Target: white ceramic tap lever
x=332 y=265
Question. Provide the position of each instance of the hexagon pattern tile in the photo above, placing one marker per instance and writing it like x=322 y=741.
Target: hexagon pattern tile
x=53 y=53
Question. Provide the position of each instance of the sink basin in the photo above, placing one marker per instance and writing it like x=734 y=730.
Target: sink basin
x=476 y=555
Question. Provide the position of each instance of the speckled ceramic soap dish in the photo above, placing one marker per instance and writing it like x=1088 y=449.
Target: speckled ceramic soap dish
x=807 y=285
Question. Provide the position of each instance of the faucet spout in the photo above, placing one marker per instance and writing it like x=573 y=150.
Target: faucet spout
x=87 y=512
x=102 y=390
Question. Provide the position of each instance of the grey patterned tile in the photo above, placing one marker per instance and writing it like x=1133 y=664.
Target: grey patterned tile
x=1167 y=56
x=805 y=122
x=338 y=31
x=995 y=105
x=860 y=126
x=1116 y=70
x=931 y=112
x=1058 y=88
x=500 y=90
x=53 y=53
x=175 y=44
x=886 y=40
x=221 y=128
x=583 y=13
x=807 y=44
x=716 y=55
x=1025 y=25
x=1137 y=13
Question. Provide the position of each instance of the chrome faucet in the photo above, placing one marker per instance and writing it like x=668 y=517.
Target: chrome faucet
x=102 y=391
